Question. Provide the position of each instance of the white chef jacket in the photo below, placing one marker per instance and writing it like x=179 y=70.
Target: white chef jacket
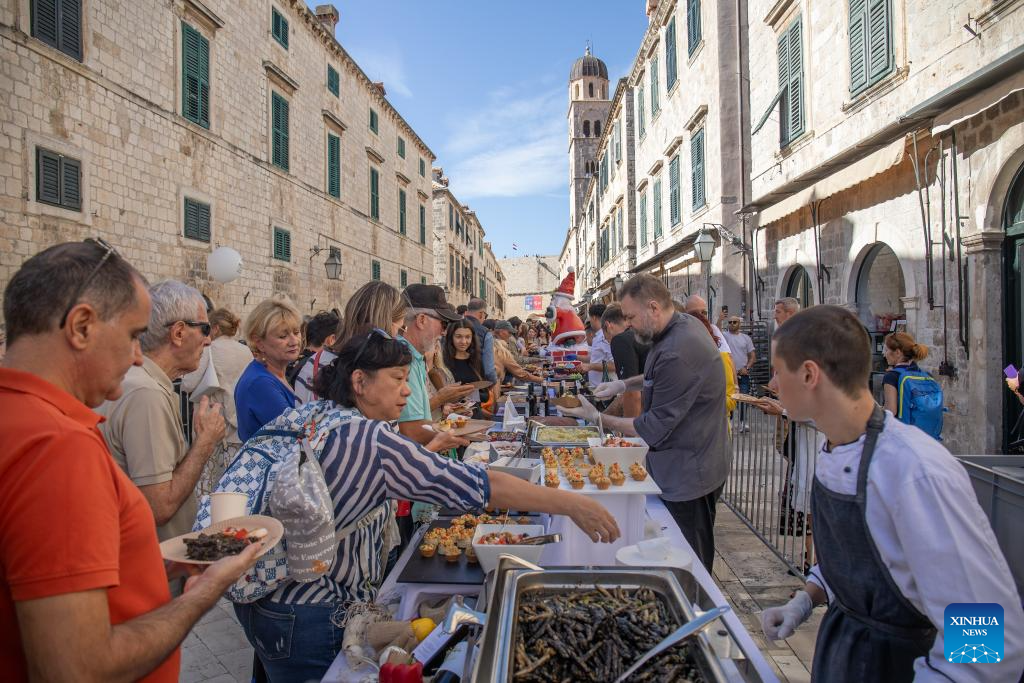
x=933 y=537
x=600 y=350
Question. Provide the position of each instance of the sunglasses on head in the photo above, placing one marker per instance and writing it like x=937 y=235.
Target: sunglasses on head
x=375 y=332
x=108 y=252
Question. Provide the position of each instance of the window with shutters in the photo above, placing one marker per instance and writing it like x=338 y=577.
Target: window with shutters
x=197 y=220
x=279 y=27
x=618 y=141
x=423 y=168
x=374 y=194
x=401 y=147
x=671 y=71
x=282 y=244
x=401 y=212
x=195 y=76
x=58 y=23
x=334 y=165
x=656 y=199
x=697 y=192
x=871 y=43
x=423 y=224
x=791 y=84
x=483 y=288
x=58 y=180
x=333 y=82
x=641 y=116
x=655 y=106
x=693 y=31
x=621 y=229
x=374 y=123
x=643 y=218
x=375 y=270
x=279 y=131
x=403 y=279
x=451 y=269
x=674 y=214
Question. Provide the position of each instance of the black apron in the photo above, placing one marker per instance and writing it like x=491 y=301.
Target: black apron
x=871 y=632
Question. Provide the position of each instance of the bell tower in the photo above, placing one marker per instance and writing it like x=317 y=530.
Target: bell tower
x=588 y=114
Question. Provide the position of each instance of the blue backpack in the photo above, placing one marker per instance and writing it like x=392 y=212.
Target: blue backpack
x=920 y=401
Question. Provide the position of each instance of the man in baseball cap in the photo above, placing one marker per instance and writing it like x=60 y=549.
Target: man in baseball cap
x=431 y=297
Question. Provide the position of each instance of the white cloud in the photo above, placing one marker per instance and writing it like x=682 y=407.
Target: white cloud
x=512 y=146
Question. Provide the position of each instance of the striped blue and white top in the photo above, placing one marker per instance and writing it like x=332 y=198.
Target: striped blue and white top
x=366 y=463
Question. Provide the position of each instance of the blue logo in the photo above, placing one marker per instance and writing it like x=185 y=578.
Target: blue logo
x=973 y=633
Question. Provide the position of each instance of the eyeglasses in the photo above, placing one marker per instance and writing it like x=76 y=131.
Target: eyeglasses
x=375 y=332
x=203 y=327
x=108 y=252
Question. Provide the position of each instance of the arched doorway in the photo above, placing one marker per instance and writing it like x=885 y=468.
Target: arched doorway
x=1013 y=296
x=799 y=286
x=880 y=288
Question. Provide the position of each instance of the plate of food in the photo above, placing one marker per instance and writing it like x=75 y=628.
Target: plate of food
x=567 y=401
x=459 y=425
x=223 y=539
x=624 y=450
x=481 y=384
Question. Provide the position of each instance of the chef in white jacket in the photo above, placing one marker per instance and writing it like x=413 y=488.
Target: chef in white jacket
x=898 y=530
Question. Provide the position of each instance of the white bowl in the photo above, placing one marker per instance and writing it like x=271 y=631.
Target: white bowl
x=624 y=455
x=528 y=469
x=488 y=554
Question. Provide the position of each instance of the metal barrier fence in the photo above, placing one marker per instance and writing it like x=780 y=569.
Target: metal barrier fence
x=770 y=484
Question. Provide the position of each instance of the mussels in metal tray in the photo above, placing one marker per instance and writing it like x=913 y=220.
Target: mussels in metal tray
x=595 y=635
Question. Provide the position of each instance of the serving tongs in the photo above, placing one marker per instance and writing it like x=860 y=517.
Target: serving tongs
x=541 y=540
x=685 y=631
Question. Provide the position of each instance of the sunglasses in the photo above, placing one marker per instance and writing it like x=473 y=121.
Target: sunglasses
x=108 y=252
x=203 y=327
x=374 y=333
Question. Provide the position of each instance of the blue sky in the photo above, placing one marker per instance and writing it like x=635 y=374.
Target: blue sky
x=485 y=83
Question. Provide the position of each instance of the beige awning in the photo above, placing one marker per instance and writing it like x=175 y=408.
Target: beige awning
x=975 y=105
x=854 y=174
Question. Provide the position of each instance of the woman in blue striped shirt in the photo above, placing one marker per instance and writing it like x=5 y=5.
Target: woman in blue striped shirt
x=297 y=631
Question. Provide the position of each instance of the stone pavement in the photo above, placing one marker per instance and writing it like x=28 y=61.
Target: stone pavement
x=751 y=577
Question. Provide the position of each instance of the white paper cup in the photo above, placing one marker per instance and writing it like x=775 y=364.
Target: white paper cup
x=227 y=505
x=654 y=548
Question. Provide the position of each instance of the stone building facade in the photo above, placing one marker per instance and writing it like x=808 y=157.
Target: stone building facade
x=529 y=282
x=463 y=261
x=171 y=128
x=886 y=177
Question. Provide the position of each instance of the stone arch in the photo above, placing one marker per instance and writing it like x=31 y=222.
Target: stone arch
x=789 y=285
x=871 y=289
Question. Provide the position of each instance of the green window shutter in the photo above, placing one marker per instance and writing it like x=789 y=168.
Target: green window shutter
x=670 y=54
x=333 y=165
x=282 y=244
x=423 y=168
x=197 y=220
x=375 y=270
x=879 y=40
x=279 y=135
x=621 y=223
x=401 y=211
x=279 y=28
x=655 y=107
x=333 y=81
x=640 y=114
x=44 y=22
x=423 y=224
x=374 y=194
x=401 y=148
x=195 y=76
x=403 y=279
x=451 y=221
x=697 y=194
x=423 y=279
x=58 y=23
x=618 y=140
x=673 y=191
x=791 y=77
x=374 y=125
x=858 y=45
x=643 y=218
x=657 y=208
x=693 y=30
x=47 y=176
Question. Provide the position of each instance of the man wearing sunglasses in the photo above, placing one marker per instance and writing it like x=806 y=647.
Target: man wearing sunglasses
x=83 y=591
x=144 y=428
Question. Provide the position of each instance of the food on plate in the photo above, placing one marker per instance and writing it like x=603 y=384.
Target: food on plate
x=637 y=471
x=428 y=549
x=484 y=519
x=471 y=555
x=616 y=475
x=218 y=544
x=567 y=401
x=502 y=538
x=575 y=479
x=553 y=434
x=450 y=552
x=523 y=519
x=596 y=472
x=464 y=539
x=503 y=436
x=577 y=452
x=547 y=452
x=602 y=483
x=619 y=442
x=551 y=479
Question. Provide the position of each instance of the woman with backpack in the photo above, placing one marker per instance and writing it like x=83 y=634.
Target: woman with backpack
x=908 y=392
x=297 y=629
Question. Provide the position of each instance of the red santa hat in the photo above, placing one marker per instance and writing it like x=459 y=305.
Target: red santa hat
x=568 y=286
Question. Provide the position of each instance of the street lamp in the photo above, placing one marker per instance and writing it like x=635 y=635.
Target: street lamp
x=705 y=246
x=333 y=264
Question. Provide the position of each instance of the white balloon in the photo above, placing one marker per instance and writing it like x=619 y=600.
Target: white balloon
x=224 y=264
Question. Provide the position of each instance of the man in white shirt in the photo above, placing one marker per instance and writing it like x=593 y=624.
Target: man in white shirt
x=600 y=349
x=897 y=527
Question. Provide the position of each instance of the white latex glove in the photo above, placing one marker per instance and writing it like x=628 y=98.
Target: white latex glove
x=587 y=411
x=779 y=623
x=607 y=390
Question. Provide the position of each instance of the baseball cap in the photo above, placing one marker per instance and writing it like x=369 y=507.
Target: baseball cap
x=504 y=325
x=431 y=297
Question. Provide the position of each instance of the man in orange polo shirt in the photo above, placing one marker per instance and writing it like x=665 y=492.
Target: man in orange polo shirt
x=83 y=589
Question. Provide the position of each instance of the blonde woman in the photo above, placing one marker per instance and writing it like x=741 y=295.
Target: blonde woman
x=274 y=333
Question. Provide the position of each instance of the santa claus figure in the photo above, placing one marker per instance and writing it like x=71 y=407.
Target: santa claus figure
x=568 y=335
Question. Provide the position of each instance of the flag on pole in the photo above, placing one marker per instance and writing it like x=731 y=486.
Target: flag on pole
x=515 y=247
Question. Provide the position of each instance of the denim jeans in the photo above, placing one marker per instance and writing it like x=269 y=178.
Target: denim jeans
x=744 y=382
x=295 y=643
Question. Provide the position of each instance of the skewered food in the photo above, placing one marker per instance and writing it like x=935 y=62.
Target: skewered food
x=214 y=546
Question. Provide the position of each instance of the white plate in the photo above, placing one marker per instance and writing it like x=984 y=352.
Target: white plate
x=632 y=486
x=677 y=557
x=174 y=549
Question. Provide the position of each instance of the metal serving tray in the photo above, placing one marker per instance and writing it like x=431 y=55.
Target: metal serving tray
x=496 y=660
x=535 y=427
